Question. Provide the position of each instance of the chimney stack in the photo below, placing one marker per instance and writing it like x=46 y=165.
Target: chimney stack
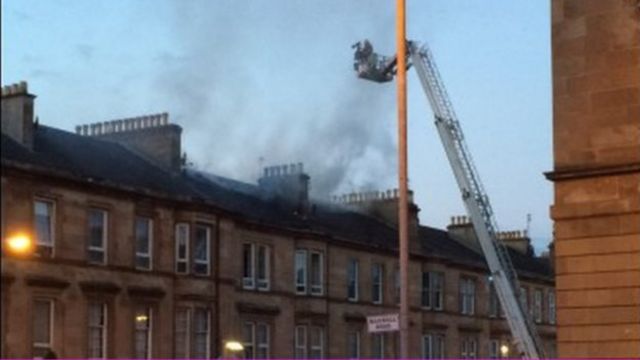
x=17 y=113
x=289 y=183
x=152 y=136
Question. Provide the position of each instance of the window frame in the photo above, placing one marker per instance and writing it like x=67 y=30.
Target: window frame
x=51 y=306
x=381 y=354
x=40 y=246
x=379 y=299
x=262 y=284
x=353 y=274
x=260 y=345
x=202 y=262
x=436 y=342
x=353 y=335
x=551 y=299
x=467 y=296
x=313 y=348
x=207 y=333
x=248 y=280
x=182 y=260
x=316 y=289
x=301 y=283
x=537 y=305
x=148 y=311
x=149 y=254
x=187 y=332
x=300 y=349
x=105 y=237
x=103 y=328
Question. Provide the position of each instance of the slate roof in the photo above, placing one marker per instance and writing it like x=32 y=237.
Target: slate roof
x=110 y=164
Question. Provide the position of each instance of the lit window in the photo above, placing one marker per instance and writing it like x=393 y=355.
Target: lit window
x=433 y=346
x=201 y=333
x=377 y=273
x=432 y=290
x=42 y=326
x=301 y=271
x=469 y=348
x=467 y=296
x=144 y=243
x=352 y=280
x=142 y=334
x=377 y=346
x=201 y=250
x=44 y=223
x=552 y=307
x=353 y=344
x=182 y=248
x=537 y=305
x=315 y=273
x=97 y=332
x=97 y=244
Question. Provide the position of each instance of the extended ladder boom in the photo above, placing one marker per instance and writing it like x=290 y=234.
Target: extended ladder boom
x=477 y=203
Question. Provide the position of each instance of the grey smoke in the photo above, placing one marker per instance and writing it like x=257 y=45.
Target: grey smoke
x=274 y=80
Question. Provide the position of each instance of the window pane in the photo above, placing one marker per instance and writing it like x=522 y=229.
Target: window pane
x=182 y=239
x=426 y=347
x=426 y=289
x=201 y=333
x=316 y=342
x=248 y=329
x=301 y=271
x=42 y=311
x=201 y=250
x=143 y=333
x=247 y=268
x=262 y=340
x=301 y=342
x=97 y=228
x=376 y=283
x=377 y=346
x=353 y=344
x=142 y=235
x=97 y=330
x=263 y=261
x=43 y=218
x=352 y=279
x=316 y=273
x=181 y=336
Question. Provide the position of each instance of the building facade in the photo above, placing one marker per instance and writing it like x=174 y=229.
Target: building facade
x=138 y=256
x=596 y=175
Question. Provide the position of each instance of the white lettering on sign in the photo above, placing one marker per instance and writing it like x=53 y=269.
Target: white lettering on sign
x=382 y=323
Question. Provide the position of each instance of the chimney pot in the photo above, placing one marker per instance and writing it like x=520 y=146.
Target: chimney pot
x=78 y=129
x=165 y=118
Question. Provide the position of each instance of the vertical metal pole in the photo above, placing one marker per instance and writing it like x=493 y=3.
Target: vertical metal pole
x=403 y=207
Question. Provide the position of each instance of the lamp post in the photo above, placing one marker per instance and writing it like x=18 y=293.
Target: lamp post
x=403 y=207
x=233 y=349
x=19 y=244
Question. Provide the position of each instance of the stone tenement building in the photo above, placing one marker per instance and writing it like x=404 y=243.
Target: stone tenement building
x=138 y=256
x=596 y=174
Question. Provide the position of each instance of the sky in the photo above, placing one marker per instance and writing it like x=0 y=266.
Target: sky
x=257 y=83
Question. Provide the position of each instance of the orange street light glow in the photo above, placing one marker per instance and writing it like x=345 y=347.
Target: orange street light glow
x=19 y=243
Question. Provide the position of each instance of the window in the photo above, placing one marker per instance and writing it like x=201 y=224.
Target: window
x=469 y=348
x=97 y=332
x=201 y=329
x=309 y=271
x=494 y=302
x=44 y=222
x=144 y=243
x=201 y=250
x=353 y=344
x=352 y=280
x=142 y=335
x=262 y=266
x=97 y=244
x=467 y=296
x=377 y=273
x=182 y=334
x=316 y=342
x=255 y=273
x=494 y=349
x=552 y=307
x=255 y=340
x=537 y=305
x=42 y=326
x=301 y=271
x=192 y=333
x=377 y=346
x=182 y=248
x=301 y=342
x=433 y=346
x=524 y=299
x=309 y=342
x=396 y=285
x=432 y=290
x=315 y=273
